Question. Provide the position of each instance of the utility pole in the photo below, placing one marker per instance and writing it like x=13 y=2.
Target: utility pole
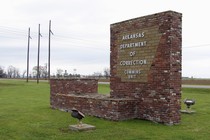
x=39 y=35
x=29 y=37
x=50 y=32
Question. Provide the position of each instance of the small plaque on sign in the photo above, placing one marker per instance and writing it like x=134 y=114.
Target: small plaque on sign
x=136 y=51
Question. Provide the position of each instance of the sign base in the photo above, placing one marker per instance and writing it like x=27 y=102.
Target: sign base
x=82 y=127
x=187 y=111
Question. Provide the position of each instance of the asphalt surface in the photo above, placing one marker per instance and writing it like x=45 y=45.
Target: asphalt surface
x=196 y=86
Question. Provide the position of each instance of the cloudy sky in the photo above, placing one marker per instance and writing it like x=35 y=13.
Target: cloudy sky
x=81 y=40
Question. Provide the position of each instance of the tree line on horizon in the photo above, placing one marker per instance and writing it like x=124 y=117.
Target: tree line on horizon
x=14 y=72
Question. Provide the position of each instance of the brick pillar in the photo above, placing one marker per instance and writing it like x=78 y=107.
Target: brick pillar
x=153 y=74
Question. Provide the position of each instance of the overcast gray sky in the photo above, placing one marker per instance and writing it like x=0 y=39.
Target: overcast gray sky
x=81 y=30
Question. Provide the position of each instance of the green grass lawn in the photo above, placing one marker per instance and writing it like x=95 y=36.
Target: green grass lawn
x=25 y=114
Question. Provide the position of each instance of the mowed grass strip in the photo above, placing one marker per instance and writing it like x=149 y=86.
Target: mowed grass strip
x=25 y=113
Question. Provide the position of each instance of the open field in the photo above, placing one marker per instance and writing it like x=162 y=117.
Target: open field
x=25 y=114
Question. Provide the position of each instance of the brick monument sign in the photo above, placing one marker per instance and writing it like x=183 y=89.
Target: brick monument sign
x=146 y=64
x=145 y=77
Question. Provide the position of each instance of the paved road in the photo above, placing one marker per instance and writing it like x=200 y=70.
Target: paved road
x=104 y=83
x=196 y=86
x=187 y=86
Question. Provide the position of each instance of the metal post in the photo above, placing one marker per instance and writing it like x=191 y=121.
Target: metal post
x=49 y=50
x=29 y=37
x=38 y=54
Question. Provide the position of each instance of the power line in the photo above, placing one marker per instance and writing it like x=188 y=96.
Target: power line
x=12 y=29
x=8 y=31
x=84 y=46
x=196 y=46
x=15 y=33
x=76 y=38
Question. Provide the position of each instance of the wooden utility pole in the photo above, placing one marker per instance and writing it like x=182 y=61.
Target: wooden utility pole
x=39 y=35
x=50 y=32
x=29 y=37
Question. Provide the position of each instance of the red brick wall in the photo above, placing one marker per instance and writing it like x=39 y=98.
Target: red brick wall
x=93 y=105
x=159 y=97
x=82 y=94
x=74 y=86
x=70 y=86
x=153 y=95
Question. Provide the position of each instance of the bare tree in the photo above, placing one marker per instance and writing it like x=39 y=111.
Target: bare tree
x=107 y=72
x=2 y=73
x=17 y=73
x=97 y=75
x=42 y=71
x=24 y=72
x=59 y=72
x=13 y=72
x=34 y=71
x=10 y=70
